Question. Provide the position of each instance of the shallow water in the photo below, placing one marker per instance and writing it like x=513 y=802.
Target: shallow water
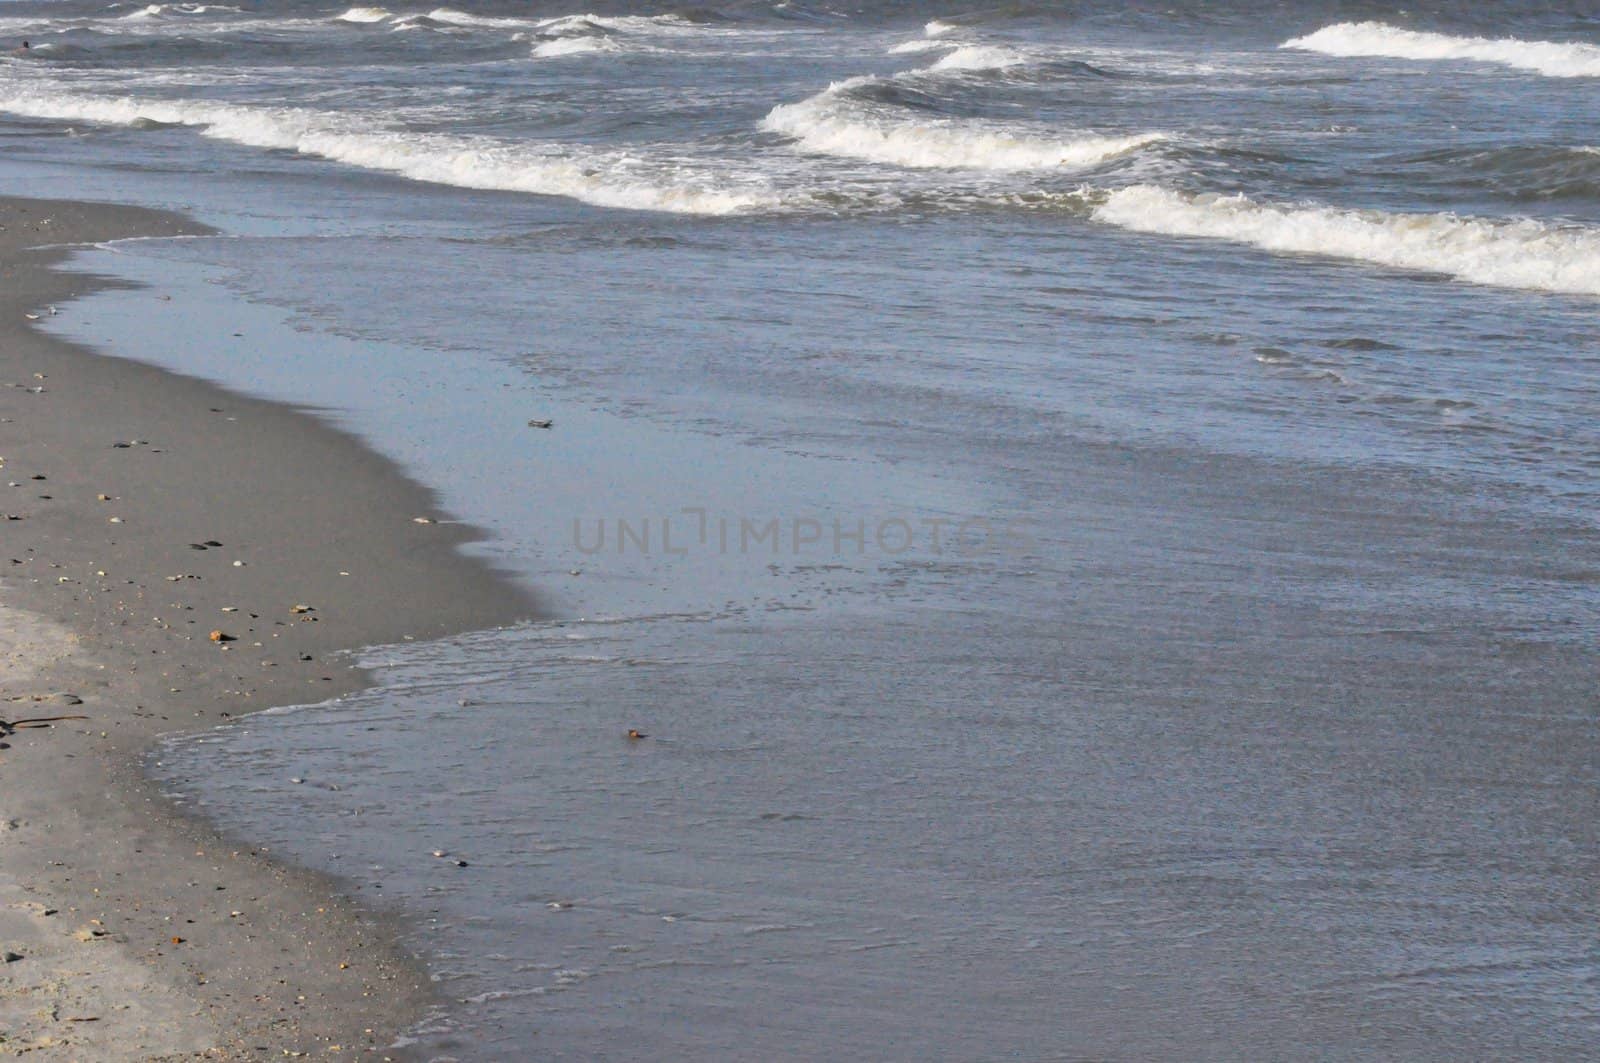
x=1088 y=595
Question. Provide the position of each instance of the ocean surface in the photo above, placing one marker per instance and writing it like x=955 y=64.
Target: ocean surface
x=1093 y=504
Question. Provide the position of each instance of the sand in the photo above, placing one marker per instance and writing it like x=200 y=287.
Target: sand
x=142 y=933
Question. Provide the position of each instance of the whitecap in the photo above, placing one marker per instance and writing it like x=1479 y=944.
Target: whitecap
x=1510 y=253
x=980 y=57
x=1550 y=58
x=363 y=15
x=831 y=123
x=610 y=179
x=451 y=16
x=563 y=46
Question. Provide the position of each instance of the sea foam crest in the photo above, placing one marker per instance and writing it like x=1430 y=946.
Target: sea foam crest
x=1550 y=58
x=922 y=45
x=563 y=46
x=579 y=25
x=586 y=34
x=931 y=39
x=610 y=180
x=1505 y=253
x=363 y=15
x=980 y=57
x=833 y=123
x=450 y=16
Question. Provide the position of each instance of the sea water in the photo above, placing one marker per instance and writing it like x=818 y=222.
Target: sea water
x=1092 y=504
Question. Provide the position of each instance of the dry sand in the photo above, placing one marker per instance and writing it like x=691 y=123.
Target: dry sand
x=143 y=934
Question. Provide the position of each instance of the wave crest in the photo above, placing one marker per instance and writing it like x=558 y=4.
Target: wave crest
x=980 y=57
x=624 y=181
x=831 y=123
x=563 y=46
x=1503 y=253
x=363 y=15
x=1550 y=58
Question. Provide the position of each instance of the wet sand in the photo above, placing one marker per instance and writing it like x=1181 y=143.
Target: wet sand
x=144 y=512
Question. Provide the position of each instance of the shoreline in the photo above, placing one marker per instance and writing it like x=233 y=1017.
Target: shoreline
x=168 y=940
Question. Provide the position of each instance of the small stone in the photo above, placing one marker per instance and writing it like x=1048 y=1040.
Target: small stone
x=422 y=520
x=302 y=609
x=11 y=957
x=540 y=423
x=221 y=636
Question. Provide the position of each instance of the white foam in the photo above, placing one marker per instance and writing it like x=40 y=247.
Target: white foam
x=939 y=29
x=1550 y=58
x=626 y=181
x=363 y=15
x=571 y=25
x=980 y=57
x=1505 y=253
x=911 y=47
x=450 y=16
x=830 y=123
x=563 y=46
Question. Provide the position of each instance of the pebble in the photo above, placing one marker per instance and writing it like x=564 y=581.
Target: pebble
x=11 y=957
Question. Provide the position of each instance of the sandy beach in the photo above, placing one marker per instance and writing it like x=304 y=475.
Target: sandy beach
x=173 y=556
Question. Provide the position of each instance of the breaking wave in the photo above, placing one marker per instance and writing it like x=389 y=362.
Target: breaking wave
x=1505 y=253
x=363 y=15
x=626 y=181
x=838 y=121
x=1550 y=58
x=894 y=120
x=980 y=57
x=597 y=25
x=451 y=17
x=562 y=46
